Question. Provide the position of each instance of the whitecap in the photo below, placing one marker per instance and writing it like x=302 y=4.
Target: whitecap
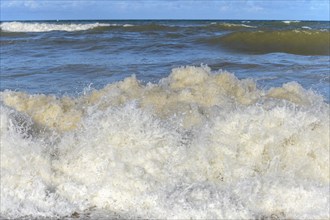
x=46 y=27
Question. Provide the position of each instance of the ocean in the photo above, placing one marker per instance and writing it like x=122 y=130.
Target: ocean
x=165 y=119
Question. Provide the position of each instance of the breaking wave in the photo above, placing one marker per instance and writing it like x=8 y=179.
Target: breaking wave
x=230 y=26
x=46 y=27
x=303 y=42
x=290 y=22
x=198 y=144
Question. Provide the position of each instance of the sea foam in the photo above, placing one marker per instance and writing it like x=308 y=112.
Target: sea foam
x=198 y=144
x=46 y=27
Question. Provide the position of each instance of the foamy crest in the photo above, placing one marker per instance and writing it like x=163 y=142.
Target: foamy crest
x=290 y=22
x=196 y=145
x=231 y=26
x=238 y=25
x=46 y=27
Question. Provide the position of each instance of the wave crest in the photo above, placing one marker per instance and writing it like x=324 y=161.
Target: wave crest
x=305 y=42
x=46 y=27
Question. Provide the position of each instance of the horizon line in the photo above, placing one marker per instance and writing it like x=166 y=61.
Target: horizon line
x=160 y=19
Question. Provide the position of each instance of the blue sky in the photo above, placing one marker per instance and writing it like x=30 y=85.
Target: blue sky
x=164 y=9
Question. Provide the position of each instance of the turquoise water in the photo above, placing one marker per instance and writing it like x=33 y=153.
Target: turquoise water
x=165 y=120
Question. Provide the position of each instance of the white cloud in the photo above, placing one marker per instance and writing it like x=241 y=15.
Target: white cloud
x=43 y=4
x=31 y=4
x=319 y=4
x=10 y=4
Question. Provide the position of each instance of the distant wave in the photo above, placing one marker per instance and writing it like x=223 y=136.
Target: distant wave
x=153 y=27
x=204 y=27
x=70 y=27
x=46 y=27
x=22 y=27
x=306 y=42
x=231 y=26
x=10 y=27
x=289 y=22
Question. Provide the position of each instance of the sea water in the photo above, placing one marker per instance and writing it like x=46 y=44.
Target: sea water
x=165 y=119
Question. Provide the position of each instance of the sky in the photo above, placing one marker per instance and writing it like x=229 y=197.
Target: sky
x=164 y=9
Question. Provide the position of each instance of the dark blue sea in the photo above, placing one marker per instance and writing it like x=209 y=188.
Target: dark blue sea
x=166 y=119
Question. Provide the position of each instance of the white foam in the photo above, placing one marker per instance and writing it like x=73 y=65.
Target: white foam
x=46 y=27
x=198 y=144
x=128 y=25
x=289 y=22
x=236 y=25
x=26 y=173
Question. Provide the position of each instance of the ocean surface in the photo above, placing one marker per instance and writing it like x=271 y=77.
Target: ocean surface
x=165 y=119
